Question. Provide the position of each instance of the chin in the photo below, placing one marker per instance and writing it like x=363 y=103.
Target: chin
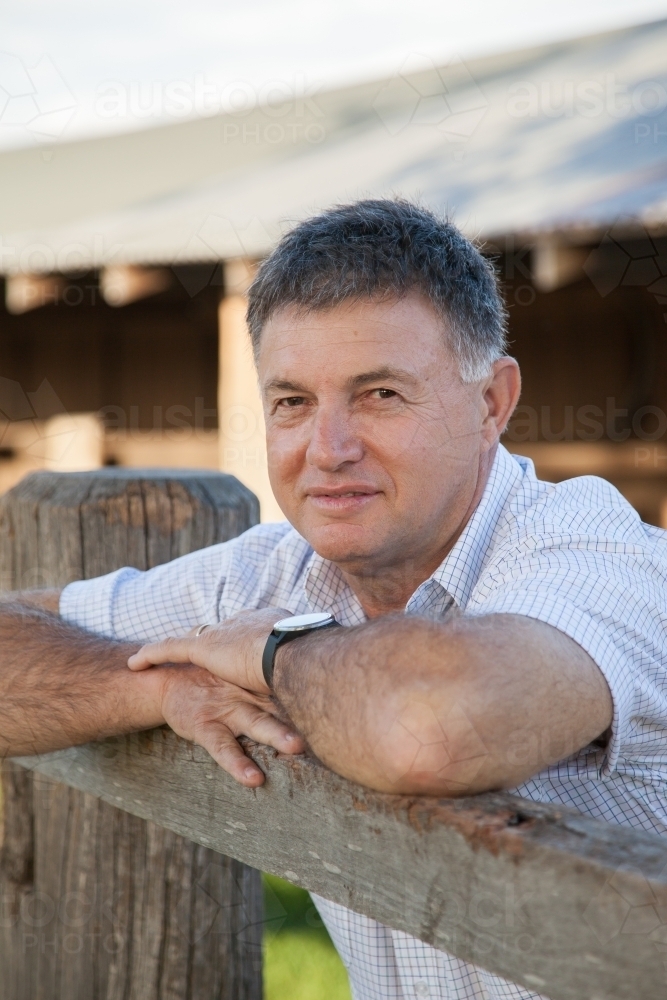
x=340 y=543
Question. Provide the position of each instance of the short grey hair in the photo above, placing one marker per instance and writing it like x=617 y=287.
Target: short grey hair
x=384 y=248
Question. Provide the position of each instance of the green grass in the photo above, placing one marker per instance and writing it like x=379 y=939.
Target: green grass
x=300 y=961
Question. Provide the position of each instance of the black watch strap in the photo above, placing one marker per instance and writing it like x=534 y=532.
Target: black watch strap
x=268 y=655
x=276 y=639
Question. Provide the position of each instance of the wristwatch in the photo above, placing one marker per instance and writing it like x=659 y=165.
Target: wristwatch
x=292 y=628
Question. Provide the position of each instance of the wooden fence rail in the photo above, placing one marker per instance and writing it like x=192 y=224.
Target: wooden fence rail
x=567 y=906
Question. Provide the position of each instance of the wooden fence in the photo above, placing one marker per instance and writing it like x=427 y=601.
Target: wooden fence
x=105 y=893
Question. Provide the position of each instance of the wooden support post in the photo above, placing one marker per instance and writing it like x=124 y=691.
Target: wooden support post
x=241 y=418
x=97 y=902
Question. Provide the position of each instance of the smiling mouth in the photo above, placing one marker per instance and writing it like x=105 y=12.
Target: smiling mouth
x=340 y=494
x=353 y=493
x=343 y=503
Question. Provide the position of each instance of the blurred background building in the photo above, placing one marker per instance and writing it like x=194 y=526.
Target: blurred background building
x=126 y=258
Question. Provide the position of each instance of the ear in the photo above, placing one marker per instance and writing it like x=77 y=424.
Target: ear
x=500 y=395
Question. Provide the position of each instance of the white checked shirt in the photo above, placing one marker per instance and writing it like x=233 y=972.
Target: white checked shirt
x=575 y=555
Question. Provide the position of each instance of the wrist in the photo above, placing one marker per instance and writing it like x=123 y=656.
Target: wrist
x=280 y=663
x=287 y=630
x=254 y=667
x=143 y=698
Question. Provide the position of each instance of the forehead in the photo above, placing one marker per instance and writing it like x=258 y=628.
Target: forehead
x=359 y=335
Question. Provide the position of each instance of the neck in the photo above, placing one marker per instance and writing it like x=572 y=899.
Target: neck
x=389 y=588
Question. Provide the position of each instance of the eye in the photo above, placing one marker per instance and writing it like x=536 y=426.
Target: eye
x=385 y=393
x=291 y=401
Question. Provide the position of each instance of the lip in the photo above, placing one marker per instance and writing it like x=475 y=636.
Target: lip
x=345 y=498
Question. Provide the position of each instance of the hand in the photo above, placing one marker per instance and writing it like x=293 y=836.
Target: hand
x=213 y=712
x=231 y=650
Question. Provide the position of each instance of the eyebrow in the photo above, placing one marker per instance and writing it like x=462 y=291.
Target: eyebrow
x=384 y=374
x=281 y=385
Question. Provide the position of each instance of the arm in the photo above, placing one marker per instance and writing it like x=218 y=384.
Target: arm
x=474 y=704
x=405 y=704
x=61 y=685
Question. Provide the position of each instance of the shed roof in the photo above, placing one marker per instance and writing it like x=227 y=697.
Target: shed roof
x=570 y=137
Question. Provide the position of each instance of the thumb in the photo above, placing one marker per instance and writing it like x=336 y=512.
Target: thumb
x=155 y=653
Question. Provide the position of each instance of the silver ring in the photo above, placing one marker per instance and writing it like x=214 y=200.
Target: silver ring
x=201 y=629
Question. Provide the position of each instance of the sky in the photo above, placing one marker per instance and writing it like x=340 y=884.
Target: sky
x=71 y=68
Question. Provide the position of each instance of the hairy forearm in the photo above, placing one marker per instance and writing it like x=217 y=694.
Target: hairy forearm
x=409 y=705
x=61 y=685
x=345 y=689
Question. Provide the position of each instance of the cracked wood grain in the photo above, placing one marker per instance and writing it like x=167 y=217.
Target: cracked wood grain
x=566 y=905
x=99 y=903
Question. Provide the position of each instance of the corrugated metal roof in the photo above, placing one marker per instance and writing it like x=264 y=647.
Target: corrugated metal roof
x=569 y=137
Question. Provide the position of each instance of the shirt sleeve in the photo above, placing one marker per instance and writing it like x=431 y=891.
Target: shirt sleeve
x=145 y=606
x=608 y=594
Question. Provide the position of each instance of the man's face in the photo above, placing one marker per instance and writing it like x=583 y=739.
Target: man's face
x=374 y=442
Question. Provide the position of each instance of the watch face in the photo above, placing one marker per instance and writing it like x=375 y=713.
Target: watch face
x=300 y=623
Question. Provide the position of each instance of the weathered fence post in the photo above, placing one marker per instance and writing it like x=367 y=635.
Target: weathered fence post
x=97 y=903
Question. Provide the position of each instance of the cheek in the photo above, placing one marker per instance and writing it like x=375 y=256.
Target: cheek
x=418 y=439
x=285 y=450
x=394 y=442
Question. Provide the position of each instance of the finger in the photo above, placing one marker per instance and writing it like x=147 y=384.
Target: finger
x=165 y=651
x=249 y=720
x=217 y=739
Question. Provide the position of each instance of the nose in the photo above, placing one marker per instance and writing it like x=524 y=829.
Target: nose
x=333 y=442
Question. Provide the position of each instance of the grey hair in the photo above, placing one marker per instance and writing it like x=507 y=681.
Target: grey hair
x=385 y=248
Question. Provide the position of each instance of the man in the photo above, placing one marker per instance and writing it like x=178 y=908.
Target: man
x=500 y=632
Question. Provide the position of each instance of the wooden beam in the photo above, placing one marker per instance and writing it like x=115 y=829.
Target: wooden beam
x=555 y=265
x=24 y=292
x=121 y=284
x=565 y=905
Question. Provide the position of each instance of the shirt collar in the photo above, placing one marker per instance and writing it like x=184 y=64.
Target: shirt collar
x=460 y=569
x=325 y=588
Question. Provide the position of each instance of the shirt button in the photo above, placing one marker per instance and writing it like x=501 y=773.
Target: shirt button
x=421 y=989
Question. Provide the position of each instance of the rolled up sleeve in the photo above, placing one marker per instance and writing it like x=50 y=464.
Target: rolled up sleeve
x=609 y=598
x=144 y=606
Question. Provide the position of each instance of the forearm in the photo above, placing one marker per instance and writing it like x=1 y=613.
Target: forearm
x=404 y=704
x=407 y=704
x=46 y=599
x=345 y=690
x=61 y=685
